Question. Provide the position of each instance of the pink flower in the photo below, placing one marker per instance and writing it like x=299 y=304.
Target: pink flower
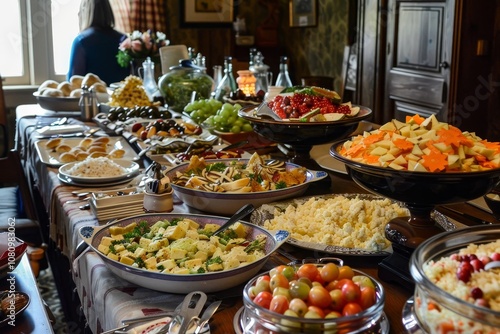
x=136 y=45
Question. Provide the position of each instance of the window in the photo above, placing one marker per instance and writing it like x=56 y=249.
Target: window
x=36 y=39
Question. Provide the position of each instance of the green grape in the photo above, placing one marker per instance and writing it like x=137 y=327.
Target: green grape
x=235 y=129
x=247 y=127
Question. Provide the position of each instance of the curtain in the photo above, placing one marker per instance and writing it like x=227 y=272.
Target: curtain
x=121 y=11
x=148 y=15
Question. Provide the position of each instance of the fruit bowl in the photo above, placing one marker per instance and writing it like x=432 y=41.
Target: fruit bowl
x=258 y=319
x=434 y=266
x=301 y=136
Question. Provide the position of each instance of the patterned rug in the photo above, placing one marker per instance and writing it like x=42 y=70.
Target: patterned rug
x=48 y=291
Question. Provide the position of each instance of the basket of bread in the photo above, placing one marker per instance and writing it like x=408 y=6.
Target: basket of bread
x=65 y=95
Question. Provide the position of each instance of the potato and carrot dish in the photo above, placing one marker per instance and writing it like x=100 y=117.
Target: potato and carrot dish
x=423 y=144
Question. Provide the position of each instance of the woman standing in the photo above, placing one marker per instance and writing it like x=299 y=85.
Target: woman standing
x=94 y=49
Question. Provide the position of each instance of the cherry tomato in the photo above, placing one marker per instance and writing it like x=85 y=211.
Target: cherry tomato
x=282 y=291
x=276 y=270
x=278 y=280
x=340 y=283
x=351 y=291
x=279 y=304
x=308 y=270
x=351 y=309
x=287 y=271
x=263 y=299
x=319 y=296
x=338 y=301
x=345 y=272
x=315 y=310
x=298 y=306
x=299 y=289
x=368 y=297
x=262 y=284
x=329 y=272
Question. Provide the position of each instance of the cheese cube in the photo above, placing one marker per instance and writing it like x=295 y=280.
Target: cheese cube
x=174 y=233
x=113 y=256
x=190 y=264
x=127 y=260
x=103 y=249
x=107 y=241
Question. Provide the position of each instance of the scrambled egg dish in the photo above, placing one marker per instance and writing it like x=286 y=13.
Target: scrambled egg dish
x=351 y=222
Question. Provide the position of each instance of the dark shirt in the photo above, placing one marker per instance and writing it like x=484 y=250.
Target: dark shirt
x=94 y=51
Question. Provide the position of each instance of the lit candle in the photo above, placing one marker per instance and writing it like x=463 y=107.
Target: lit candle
x=246 y=82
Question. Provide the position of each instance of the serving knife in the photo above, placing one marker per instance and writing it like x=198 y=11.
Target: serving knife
x=206 y=316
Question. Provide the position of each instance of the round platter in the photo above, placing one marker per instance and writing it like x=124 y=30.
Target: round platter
x=266 y=212
x=131 y=169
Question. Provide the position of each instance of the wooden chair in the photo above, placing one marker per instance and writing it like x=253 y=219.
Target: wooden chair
x=17 y=209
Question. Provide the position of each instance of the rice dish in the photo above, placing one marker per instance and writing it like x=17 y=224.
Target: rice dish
x=462 y=275
x=96 y=167
x=339 y=221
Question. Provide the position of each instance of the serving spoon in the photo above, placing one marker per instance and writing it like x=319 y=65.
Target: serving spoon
x=245 y=210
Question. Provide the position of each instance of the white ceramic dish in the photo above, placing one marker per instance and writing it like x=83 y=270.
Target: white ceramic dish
x=266 y=211
x=131 y=169
x=58 y=103
x=51 y=158
x=68 y=180
x=176 y=283
x=228 y=203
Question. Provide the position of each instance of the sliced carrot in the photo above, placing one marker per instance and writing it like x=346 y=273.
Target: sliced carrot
x=403 y=144
x=373 y=138
x=415 y=118
x=435 y=161
x=453 y=136
x=371 y=159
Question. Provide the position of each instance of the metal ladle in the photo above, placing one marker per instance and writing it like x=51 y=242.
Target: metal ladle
x=244 y=211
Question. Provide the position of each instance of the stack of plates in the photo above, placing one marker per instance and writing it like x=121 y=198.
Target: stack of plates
x=114 y=204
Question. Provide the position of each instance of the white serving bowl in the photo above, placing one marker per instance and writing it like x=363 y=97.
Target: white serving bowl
x=177 y=283
x=227 y=203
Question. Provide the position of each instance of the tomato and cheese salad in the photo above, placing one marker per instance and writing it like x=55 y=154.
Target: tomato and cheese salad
x=422 y=144
x=181 y=246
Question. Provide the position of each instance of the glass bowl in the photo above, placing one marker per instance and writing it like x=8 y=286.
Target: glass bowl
x=452 y=312
x=256 y=319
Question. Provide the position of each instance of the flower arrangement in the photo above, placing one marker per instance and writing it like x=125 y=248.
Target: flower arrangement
x=140 y=45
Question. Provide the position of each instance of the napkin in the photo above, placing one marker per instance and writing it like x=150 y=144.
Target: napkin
x=7 y=241
x=61 y=129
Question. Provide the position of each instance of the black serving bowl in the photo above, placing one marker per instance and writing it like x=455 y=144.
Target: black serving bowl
x=303 y=133
x=420 y=191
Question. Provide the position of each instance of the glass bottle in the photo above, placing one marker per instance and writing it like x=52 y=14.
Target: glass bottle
x=227 y=85
x=251 y=61
x=283 y=79
x=261 y=73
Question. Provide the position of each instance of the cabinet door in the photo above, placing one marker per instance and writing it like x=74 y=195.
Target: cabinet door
x=419 y=46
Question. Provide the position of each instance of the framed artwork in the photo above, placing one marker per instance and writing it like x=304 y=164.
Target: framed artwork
x=207 y=13
x=303 y=13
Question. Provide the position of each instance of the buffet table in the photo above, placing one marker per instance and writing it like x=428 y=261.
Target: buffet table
x=106 y=299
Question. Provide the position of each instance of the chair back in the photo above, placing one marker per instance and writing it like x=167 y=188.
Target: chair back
x=170 y=56
x=4 y=136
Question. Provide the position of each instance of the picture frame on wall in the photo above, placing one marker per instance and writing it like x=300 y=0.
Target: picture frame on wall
x=206 y=13
x=303 y=13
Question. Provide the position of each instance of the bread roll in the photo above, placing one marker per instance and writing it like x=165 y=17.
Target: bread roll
x=97 y=154
x=90 y=79
x=63 y=148
x=82 y=156
x=117 y=153
x=86 y=142
x=48 y=84
x=65 y=87
x=76 y=92
x=53 y=92
x=93 y=149
x=76 y=80
x=104 y=140
x=99 y=87
x=53 y=143
x=67 y=157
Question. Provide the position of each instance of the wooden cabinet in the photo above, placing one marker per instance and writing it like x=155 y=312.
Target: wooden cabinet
x=430 y=57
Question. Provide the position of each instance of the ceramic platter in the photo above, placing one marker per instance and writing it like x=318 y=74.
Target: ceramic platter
x=266 y=212
x=51 y=157
x=131 y=170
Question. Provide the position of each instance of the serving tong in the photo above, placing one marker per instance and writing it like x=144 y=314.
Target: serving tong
x=185 y=315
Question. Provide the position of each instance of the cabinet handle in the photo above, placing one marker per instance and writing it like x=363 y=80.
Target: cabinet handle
x=444 y=64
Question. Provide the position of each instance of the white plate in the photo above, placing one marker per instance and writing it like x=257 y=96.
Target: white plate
x=70 y=181
x=321 y=154
x=266 y=212
x=51 y=158
x=131 y=169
